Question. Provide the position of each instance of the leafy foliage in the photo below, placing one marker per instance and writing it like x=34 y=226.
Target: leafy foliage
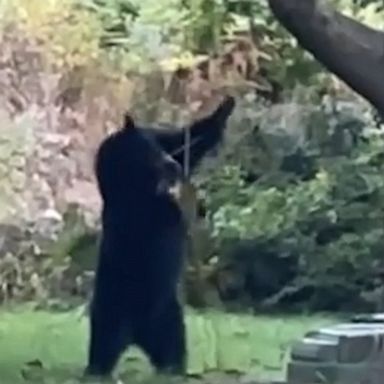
x=328 y=224
x=69 y=38
x=295 y=205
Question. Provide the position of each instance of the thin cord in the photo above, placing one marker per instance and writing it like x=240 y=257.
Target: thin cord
x=187 y=152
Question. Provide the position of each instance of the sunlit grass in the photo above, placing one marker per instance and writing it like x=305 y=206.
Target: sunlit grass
x=217 y=341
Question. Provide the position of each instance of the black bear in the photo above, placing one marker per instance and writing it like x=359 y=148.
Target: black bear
x=142 y=245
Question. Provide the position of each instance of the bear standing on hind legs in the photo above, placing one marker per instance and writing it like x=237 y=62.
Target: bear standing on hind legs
x=142 y=245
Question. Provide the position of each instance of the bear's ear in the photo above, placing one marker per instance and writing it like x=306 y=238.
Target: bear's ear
x=128 y=122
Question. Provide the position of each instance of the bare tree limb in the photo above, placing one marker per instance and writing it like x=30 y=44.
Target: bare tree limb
x=352 y=51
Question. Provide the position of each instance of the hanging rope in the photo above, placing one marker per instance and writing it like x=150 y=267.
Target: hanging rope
x=187 y=152
x=188 y=202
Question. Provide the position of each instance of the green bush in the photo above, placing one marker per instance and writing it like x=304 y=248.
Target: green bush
x=326 y=226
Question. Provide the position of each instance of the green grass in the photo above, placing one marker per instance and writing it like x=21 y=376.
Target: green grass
x=216 y=341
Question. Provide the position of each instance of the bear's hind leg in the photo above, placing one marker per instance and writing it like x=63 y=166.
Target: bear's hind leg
x=164 y=340
x=109 y=337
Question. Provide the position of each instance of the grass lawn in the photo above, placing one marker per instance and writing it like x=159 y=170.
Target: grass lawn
x=217 y=341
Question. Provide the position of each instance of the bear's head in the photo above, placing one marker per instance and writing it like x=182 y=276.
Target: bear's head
x=131 y=163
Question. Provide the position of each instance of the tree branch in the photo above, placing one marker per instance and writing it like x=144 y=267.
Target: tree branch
x=352 y=51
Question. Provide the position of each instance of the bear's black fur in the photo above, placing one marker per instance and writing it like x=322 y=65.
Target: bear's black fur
x=205 y=134
x=142 y=246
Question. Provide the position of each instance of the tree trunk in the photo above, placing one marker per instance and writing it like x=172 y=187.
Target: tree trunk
x=352 y=51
